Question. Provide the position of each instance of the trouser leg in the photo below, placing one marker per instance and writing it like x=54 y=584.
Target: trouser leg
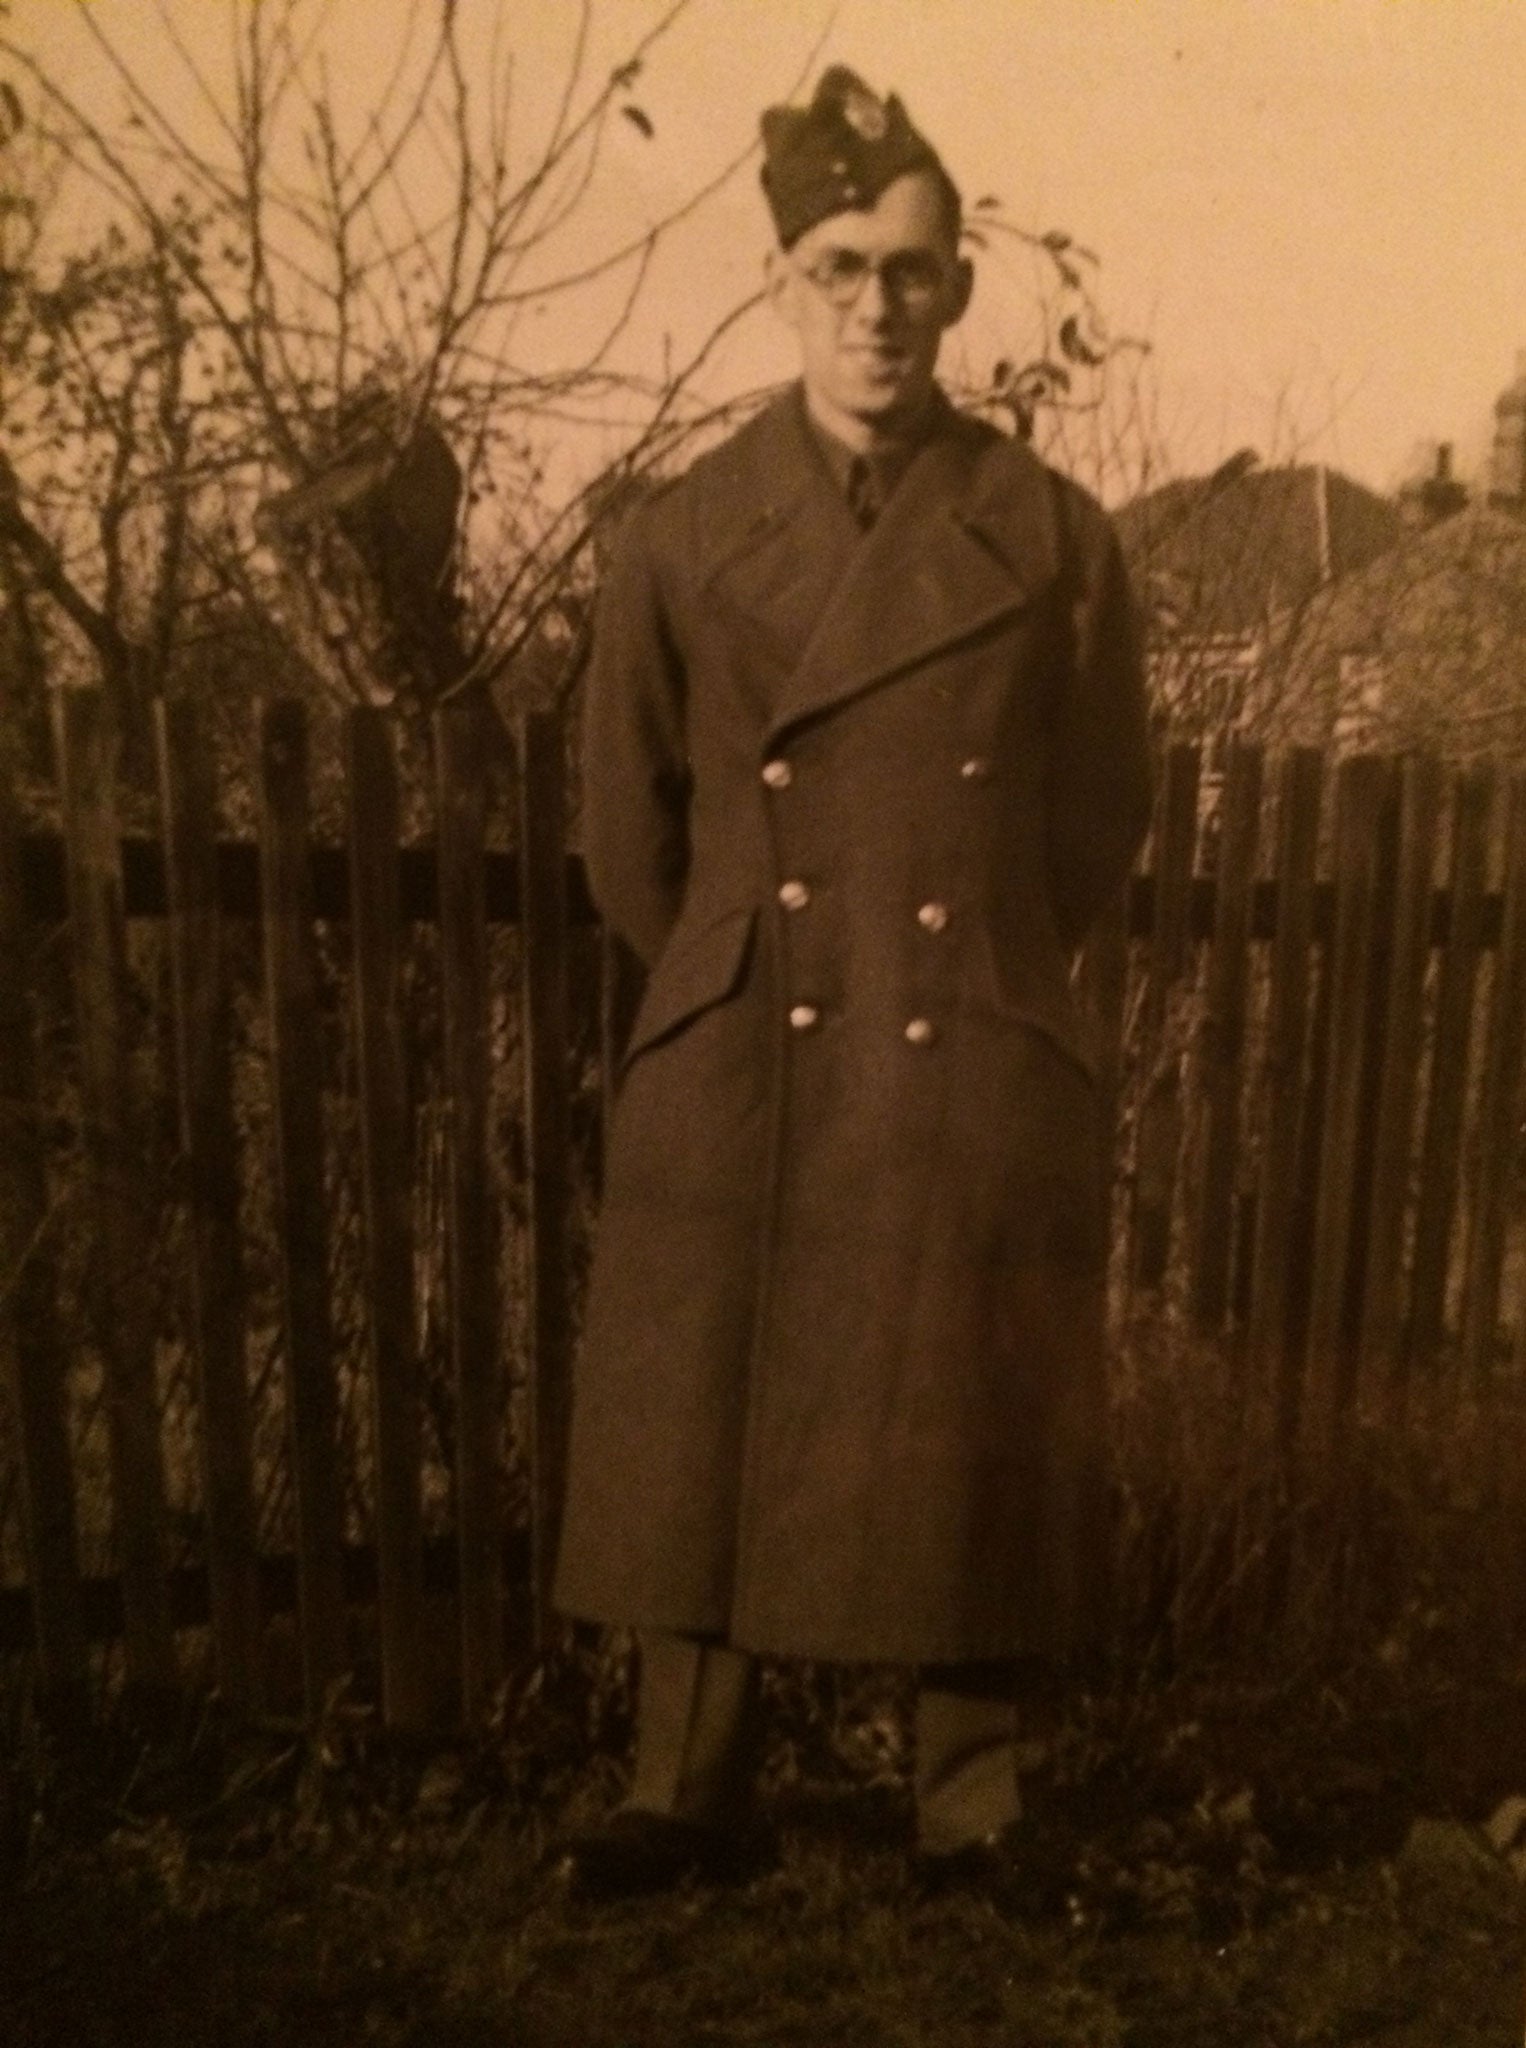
x=696 y=1725
x=965 y=1760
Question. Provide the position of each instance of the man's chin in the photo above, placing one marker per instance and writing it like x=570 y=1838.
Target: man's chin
x=890 y=404
x=888 y=385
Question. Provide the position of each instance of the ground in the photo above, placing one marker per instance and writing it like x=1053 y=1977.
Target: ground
x=1210 y=1866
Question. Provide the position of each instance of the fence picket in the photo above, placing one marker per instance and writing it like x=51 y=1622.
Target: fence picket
x=476 y=1339
x=1222 y=1038
x=1283 y=1061
x=1158 y=1140
x=297 y=1077
x=387 y=1192
x=1472 y=805
x=114 y=1131
x=1497 y=1117
x=1338 y=1221
x=1408 y=936
x=204 y=1093
x=548 y=1127
x=30 y=1354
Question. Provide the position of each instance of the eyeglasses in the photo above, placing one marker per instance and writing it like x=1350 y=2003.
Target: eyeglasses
x=910 y=277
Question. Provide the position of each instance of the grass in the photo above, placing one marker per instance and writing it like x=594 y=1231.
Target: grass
x=1237 y=1866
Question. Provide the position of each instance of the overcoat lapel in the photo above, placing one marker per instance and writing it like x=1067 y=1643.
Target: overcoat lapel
x=777 y=537
x=965 y=537
x=968 y=536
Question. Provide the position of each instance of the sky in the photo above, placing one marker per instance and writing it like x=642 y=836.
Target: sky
x=1312 y=209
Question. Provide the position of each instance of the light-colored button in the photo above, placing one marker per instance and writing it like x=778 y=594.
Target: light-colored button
x=794 y=895
x=921 y=1031
x=778 y=774
x=976 y=769
x=804 y=1017
x=933 y=917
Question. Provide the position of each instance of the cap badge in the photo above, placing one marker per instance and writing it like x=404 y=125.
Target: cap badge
x=866 y=115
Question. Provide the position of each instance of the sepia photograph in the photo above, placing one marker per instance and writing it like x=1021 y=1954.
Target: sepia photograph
x=762 y=1023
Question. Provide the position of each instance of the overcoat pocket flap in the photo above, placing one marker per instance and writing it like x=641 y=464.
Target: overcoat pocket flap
x=1045 y=1002
x=694 y=971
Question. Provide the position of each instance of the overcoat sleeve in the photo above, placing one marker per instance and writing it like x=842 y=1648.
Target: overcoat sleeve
x=1100 y=763
x=635 y=759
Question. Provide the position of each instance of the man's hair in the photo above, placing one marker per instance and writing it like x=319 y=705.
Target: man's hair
x=950 y=202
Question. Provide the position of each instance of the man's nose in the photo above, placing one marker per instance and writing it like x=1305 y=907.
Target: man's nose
x=874 y=303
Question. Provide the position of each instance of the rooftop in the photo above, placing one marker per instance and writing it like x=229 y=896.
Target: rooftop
x=1232 y=552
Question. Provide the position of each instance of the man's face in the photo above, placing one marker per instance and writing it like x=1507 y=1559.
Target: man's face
x=869 y=292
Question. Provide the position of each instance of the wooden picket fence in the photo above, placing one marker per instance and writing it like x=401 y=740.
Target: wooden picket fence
x=1310 y=1010
x=96 y=886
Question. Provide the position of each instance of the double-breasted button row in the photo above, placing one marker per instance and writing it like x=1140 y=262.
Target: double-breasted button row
x=778 y=773
x=932 y=916
x=795 y=894
x=918 y=1031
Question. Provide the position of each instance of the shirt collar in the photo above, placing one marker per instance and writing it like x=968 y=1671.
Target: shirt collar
x=886 y=464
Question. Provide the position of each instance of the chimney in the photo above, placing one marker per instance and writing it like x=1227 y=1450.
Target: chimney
x=1507 y=464
x=1434 y=494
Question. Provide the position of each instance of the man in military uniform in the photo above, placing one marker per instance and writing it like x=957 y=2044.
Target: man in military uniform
x=865 y=757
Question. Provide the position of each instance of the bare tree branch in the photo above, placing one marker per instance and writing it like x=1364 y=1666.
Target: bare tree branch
x=47 y=567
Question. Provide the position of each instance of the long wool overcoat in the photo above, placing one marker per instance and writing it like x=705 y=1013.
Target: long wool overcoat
x=854 y=798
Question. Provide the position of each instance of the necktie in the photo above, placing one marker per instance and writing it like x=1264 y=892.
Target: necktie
x=865 y=491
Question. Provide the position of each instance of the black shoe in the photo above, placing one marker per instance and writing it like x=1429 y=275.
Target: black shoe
x=973 y=1866
x=1015 y=1869
x=636 y=1852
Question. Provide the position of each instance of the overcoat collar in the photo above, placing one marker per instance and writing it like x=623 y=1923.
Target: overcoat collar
x=967 y=537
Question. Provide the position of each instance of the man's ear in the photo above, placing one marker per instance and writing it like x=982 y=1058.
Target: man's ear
x=961 y=285
x=780 y=281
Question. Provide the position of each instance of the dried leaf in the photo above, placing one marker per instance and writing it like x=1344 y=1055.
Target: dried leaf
x=1045 y=376
x=639 y=120
x=1075 y=345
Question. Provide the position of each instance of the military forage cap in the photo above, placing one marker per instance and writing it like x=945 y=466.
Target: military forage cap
x=839 y=152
